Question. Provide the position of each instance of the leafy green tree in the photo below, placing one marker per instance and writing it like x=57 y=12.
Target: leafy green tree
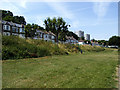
x=70 y=33
x=22 y=20
x=19 y=20
x=99 y=42
x=28 y=29
x=114 y=40
x=56 y=25
x=41 y=28
x=93 y=40
x=6 y=13
x=82 y=38
x=8 y=16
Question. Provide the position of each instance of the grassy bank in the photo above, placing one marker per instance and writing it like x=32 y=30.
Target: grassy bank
x=14 y=47
x=87 y=70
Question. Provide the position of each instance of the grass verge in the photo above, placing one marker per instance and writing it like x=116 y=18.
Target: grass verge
x=88 y=70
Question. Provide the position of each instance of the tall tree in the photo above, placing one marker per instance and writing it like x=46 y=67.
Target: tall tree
x=8 y=16
x=70 y=33
x=6 y=13
x=28 y=29
x=56 y=25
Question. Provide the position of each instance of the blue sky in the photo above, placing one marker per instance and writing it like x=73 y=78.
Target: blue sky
x=99 y=19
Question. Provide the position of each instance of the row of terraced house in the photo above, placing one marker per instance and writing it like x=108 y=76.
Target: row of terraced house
x=10 y=28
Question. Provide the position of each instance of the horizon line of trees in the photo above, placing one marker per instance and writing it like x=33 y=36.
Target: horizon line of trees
x=114 y=40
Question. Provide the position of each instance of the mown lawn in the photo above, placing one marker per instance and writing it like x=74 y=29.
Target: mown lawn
x=88 y=70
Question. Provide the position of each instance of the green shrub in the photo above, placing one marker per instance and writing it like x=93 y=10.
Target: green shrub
x=91 y=48
x=14 y=47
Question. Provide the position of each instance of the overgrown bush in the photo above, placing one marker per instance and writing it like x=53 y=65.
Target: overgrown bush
x=91 y=48
x=14 y=47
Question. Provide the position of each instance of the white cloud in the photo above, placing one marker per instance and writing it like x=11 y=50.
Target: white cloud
x=6 y=5
x=100 y=9
x=66 y=13
x=23 y=3
x=61 y=9
x=13 y=6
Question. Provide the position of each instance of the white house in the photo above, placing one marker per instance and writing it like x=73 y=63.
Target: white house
x=47 y=36
x=39 y=34
x=10 y=28
x=71 y=40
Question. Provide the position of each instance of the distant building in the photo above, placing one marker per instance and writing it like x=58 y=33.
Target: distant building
x=71 y=40
x=87 y=37
x=47 y=36
x=10 y=28
x=80 y=33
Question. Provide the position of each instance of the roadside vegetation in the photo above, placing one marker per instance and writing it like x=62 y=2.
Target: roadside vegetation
x=14 y=47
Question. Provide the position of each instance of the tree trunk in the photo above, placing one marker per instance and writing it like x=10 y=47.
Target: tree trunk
x=57 y=37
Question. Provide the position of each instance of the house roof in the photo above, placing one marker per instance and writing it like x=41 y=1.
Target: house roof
x=71 y=38
x=12 y=24
x=50 y=33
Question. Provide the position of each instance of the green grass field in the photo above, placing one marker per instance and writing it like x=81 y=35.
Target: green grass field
x=88 y=70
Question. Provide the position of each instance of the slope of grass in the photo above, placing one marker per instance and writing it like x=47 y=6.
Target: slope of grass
x=14 y=47
x=91 y=48
x=88 y=70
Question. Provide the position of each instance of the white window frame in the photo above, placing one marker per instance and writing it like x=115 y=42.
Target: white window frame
x=5 y=27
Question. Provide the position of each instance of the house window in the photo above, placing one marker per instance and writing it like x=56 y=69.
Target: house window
x=16 y=29
x=6 y=27
x=6 y=33
x=53 y=37
x=13 y=29
x=41 y=35
x=20 y=29
x=23 y=30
